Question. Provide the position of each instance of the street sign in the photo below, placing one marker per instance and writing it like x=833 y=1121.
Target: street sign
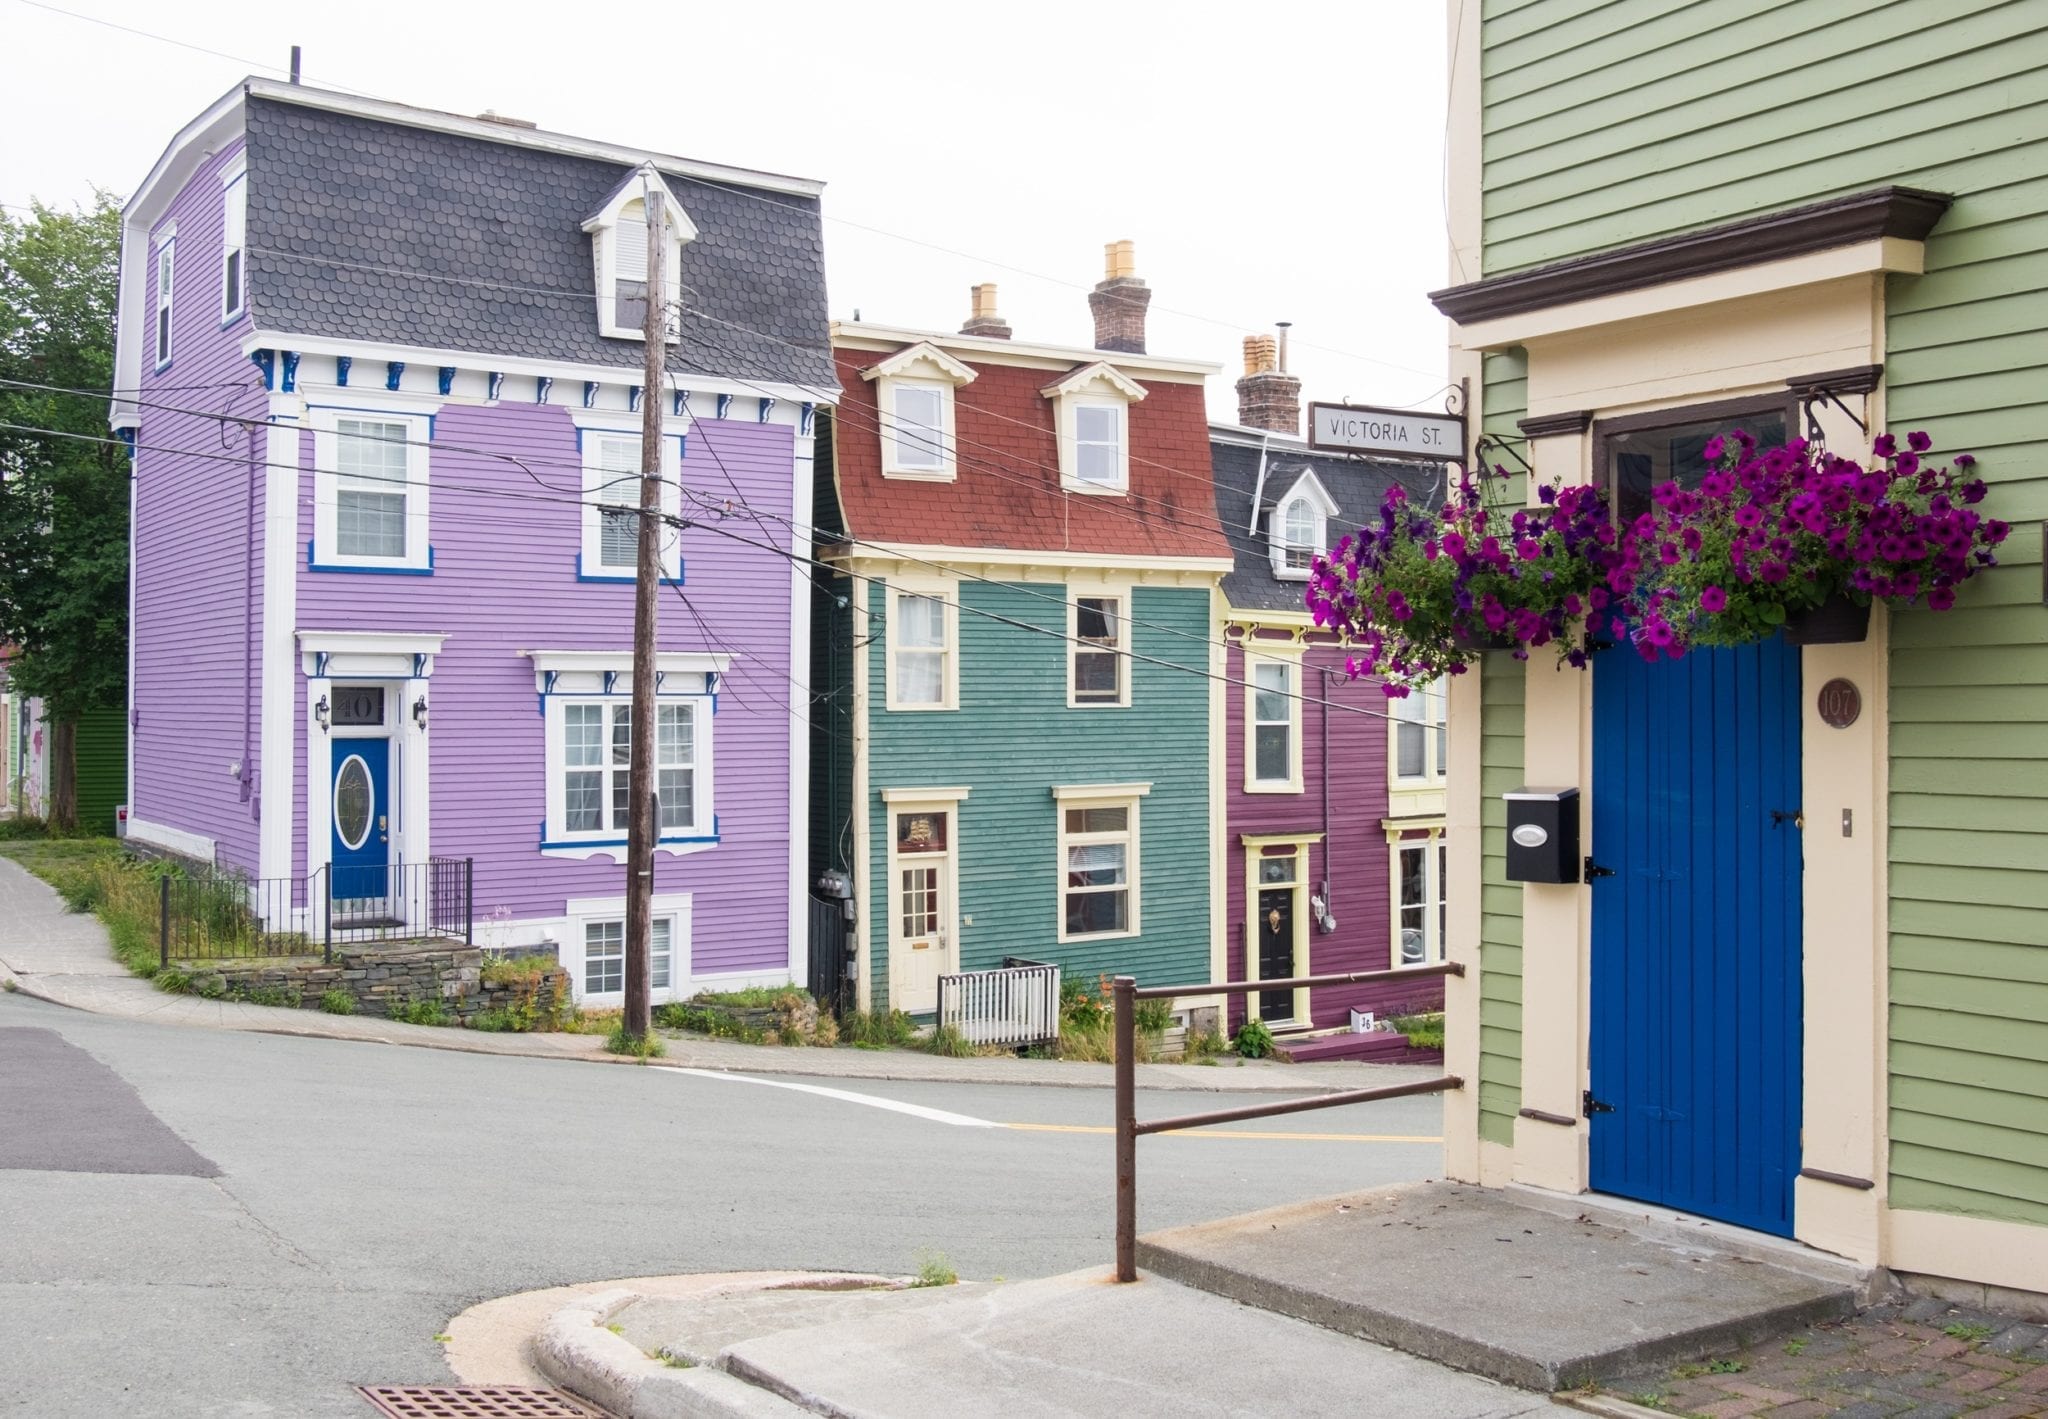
x=1388 y=433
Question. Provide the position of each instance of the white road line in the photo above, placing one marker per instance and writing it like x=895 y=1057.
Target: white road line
x=914 y=1110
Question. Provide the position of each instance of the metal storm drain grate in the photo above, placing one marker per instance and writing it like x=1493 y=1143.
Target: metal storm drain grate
x=473 y=1402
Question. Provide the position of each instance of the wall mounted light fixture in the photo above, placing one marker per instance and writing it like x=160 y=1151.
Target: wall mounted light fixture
x=320 y=712
x=419 y=712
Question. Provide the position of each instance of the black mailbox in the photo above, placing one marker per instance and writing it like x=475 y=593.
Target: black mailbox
x=1543 y=834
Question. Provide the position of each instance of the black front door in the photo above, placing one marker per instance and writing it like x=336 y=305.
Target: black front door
x=1276 y=952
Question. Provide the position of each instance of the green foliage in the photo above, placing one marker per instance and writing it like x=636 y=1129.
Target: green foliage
x=949 y=1042
x=1423 y=1031
x=22 y=828
x=337 y=1001
x=63 y=501
x=93 y=874
x=880 y=1029
x=1796 y=1345
x=427 y=1010
x=279 y=995
x=1254 y=1040
x=1971 y=1331
x=171 y=979
x=1153 y=1017
x=516 y=970
x=642 y=1047
x=688 y=1015
x=933 y=1269
x=1204 y=1047
x=754 y=997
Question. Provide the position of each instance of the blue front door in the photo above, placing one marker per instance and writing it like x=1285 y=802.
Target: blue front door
x=362 y=818
x=1696 y=995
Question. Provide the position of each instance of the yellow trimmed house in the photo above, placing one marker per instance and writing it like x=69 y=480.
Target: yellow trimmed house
x=1812 y=996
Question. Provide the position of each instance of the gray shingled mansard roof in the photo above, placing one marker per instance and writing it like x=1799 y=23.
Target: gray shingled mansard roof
x=1357 y=486
x=460 y=243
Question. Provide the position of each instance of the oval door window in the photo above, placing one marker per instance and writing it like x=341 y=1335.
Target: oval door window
x=352 y=802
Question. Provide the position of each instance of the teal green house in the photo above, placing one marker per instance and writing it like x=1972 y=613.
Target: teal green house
x=1805 y=989
x=1015 y=668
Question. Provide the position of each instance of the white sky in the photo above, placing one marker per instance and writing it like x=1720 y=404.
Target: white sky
x=1273 y=159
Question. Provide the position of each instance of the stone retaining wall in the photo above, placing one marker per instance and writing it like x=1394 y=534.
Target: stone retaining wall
x=383 y=979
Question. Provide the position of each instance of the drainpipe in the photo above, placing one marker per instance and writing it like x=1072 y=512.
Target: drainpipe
x=257 y=441
x=1329 y=905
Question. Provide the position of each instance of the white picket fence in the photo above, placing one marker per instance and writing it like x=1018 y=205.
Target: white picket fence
x=1017 y=1005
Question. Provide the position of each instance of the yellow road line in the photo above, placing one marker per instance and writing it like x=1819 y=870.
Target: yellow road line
x=1232 y=1133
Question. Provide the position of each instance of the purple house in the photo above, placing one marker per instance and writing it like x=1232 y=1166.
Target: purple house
x=381 y=368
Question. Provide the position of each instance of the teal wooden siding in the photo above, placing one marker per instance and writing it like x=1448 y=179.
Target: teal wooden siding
x=1013 y=739
x=1608 y=123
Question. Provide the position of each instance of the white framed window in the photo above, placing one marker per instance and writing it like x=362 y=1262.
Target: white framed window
x=1091 y=412
x=234 y=240
x=593 y=759
x=923 y=648
x=166 y=263
x=920 y=424
x=611 y=504
x=1422 y=746
x=618 y=250
x=1421 y=908
x=914 y=400
x=1099 y=861
x=592 y=948
x=370 y=491
x=1098 y=660
x=1272 y=723
x=1299 y=527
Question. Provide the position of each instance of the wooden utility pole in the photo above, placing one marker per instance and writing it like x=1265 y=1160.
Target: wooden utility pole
x=641 y=828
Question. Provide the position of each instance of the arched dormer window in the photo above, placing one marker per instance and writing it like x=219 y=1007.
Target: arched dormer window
x=618 y=253
x=914 y=397
x=1091 y=413
x=1299 y=528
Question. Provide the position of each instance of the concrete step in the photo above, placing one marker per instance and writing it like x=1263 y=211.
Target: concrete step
x=1477 y=1279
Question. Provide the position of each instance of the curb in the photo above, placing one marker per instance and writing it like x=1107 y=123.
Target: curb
x=576 y=1350
x=1608 y=1407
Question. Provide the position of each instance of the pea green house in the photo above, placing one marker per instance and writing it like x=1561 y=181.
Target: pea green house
x=1803 y=987
x=1016 y=646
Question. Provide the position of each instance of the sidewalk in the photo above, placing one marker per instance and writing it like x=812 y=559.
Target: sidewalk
x=64 y=958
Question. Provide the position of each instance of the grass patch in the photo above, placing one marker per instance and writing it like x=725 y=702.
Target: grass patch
x=878 y=1029
x=754 y=997
x=934 y=1270
x=338 y=1002
x=1969 y=1330
x=516 y=970
x=1796 y=1346
x=427 y=1010
x=645 y=1047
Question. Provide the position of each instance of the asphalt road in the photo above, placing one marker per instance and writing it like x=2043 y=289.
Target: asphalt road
x=211 y=1223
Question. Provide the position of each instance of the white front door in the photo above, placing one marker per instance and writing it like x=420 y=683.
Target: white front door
x=922 y=944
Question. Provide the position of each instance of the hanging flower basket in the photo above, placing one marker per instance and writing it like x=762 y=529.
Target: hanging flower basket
x=1839 y=620
x=1798 y=533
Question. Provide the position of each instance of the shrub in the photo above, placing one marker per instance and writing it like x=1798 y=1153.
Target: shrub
x=22 y=828
x=425 y=1011
x=933 y=1269
x=338 y=1002
x=1254 y=1040
x=880 y=1029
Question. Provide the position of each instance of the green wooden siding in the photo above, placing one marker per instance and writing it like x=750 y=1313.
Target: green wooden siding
x=1013 y=739
x=101 y=754
x=1503 y=400
x=1609 y=123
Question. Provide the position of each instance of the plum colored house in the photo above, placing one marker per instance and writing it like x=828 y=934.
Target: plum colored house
x=1018 y=648
x=381 y=369
x=1332 y=859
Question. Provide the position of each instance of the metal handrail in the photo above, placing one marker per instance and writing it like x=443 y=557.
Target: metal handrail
x=1125 y=994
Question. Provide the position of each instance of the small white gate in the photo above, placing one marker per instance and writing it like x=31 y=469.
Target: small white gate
x=1017 y=1005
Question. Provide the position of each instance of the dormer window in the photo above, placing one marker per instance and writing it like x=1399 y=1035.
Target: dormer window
x=1091 y=412
x=1299 y=528
x=914 y=399
x=618 y=251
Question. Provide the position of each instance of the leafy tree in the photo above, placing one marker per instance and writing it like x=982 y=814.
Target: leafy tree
x=63 y=501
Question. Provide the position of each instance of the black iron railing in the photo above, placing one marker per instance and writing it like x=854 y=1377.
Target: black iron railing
x=1126 y=994
x=219 y=916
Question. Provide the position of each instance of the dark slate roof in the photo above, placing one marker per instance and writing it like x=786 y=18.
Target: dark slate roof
x=1357 y=485
x=495 y=233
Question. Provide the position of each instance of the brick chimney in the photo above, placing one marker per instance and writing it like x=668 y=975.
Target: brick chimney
x=1119 y=302
x=985 y=322
x=1268 y=397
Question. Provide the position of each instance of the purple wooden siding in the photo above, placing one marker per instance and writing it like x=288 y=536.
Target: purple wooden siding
x=1353 y=855
x=198 y=576
x=504 y=581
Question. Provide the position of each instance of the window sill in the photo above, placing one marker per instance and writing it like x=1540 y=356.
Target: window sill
x=615 y=848
x=1292 y=573
x=1098 y=490
x=373 y=568
x=922 y=475
x=1409 y=966
x=919 y=709
x=627 y=577
x=1275 y=787
x=1094 y=936
x=1098 y=704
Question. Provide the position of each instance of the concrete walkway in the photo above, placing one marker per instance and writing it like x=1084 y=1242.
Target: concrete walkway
x=64 y=957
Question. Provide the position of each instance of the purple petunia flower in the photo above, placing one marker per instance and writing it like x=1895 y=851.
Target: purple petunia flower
x=1918 y=441
x=1713 y=600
